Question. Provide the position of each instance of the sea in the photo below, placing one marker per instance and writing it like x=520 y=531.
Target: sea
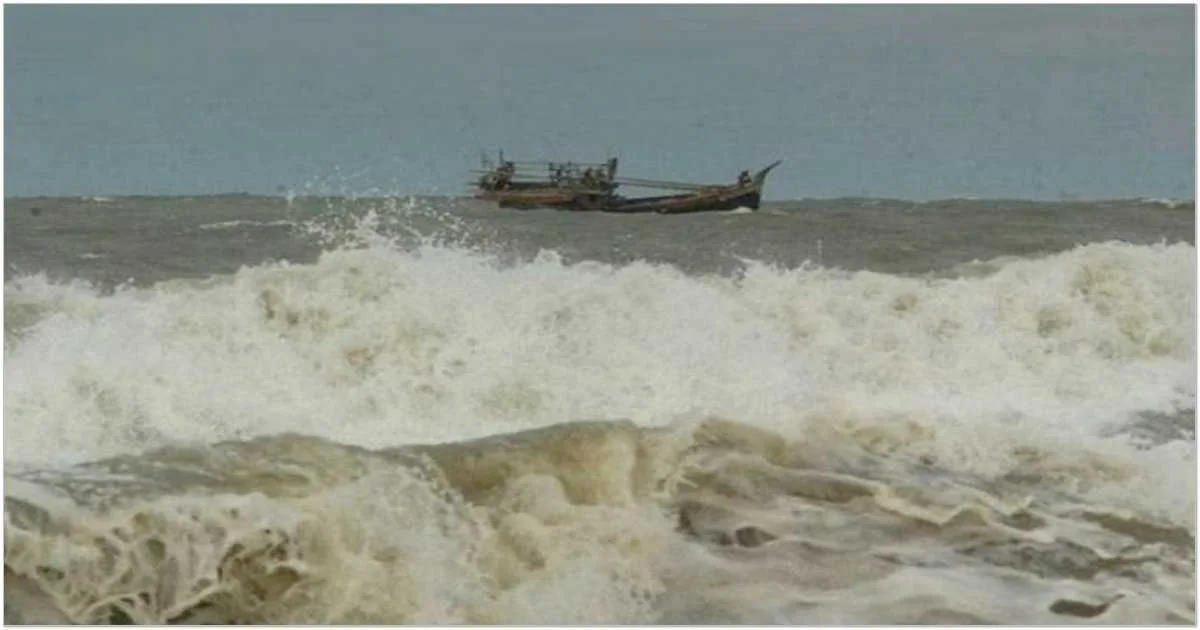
x=307 y=409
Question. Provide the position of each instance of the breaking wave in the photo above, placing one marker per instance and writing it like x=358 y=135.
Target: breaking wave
x=432 y=434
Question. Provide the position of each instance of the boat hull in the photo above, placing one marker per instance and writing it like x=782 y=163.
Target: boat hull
x=688 y=204
x=673 y=204
x=531 y=198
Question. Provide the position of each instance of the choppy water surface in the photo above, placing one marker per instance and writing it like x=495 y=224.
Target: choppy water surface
x=241 y=409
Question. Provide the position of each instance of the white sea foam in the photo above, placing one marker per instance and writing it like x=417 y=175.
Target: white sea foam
x=390 y=547
x=1034 y=363
x=1166 y=202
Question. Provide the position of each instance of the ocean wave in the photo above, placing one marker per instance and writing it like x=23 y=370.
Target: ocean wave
x=596 y=522
x=1168 y=202
x=377 y=346
x=228 y=225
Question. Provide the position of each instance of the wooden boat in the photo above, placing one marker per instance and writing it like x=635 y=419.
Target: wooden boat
x=747 y=193
x=591 y=188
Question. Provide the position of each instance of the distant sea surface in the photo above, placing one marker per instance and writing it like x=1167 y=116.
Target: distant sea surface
x=244 y=409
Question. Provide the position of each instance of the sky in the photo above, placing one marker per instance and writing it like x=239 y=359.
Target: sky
x=918 y=102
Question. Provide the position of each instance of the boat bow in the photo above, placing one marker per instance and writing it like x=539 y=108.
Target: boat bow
x=761 y=176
